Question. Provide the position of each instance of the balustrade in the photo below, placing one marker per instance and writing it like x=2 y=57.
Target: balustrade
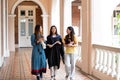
x=107 y=61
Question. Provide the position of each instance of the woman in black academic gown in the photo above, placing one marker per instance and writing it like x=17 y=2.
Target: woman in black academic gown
x=54 y=51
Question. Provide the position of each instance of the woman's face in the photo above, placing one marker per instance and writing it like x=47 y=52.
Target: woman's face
x=53 y=30
x=68 y=31
x=41 y=29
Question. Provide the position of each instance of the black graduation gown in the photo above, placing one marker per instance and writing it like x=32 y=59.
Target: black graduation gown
x=55 y=53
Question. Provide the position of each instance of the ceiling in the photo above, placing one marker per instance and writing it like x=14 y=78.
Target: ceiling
x=76 y=3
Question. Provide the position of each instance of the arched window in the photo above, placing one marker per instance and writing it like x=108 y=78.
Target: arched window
x=116 y=26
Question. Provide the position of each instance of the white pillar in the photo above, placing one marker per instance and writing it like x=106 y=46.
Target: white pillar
x=109 y=61
x=55 y=14
x=7 y=53
x=105 y=61
x=0 y=28
x=101 y=60
x=80 y=8
x=118 y=66
x=62 y=17
x=11 y=32
x=1 y=56
x=45 y=25
x=113 y=64
x=4 y=30
x=86 y=46
x=67 y=14
x=97 y=64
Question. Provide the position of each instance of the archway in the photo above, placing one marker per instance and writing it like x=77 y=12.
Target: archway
x=12 y=16
x=36 y=1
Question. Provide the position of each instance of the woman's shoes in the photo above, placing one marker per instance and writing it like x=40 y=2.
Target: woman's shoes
x=41 y=75
x=37 y=77
x=53 y=78
x=67 y=76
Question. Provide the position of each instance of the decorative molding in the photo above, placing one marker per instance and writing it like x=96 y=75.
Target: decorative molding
x=11 y=15
x=36 y=1
x=44 y=15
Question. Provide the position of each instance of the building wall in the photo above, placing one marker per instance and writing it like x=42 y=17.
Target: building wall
x=46 y=4
x=101 y=20
x=75 y=16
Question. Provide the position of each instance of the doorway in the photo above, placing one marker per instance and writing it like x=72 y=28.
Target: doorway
x=28 y=14
x=26 y=23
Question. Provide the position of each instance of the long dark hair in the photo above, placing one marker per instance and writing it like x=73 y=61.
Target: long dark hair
x=70 y=37
x=37 y=31
x=51 y=33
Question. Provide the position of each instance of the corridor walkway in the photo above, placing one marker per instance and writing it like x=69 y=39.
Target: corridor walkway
x=17 y=67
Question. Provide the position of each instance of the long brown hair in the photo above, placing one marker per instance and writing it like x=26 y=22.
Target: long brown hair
x=37 y=31
x=70 y=37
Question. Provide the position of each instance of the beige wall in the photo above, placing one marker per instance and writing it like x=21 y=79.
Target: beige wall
x=86 y=35
x=10 y=5
x=11 y=32
x=45 y=3
x=75 y=16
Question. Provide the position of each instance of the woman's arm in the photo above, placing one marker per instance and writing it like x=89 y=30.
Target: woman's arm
x=33 y=41
x=75 y=42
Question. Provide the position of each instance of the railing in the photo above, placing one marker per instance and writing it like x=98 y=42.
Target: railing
x=79 y=55
x=107 y=62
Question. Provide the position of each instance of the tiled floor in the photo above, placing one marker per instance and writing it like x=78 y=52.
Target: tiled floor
x=17 y=67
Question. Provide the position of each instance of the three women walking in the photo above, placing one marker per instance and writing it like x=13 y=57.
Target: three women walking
x=54 y=52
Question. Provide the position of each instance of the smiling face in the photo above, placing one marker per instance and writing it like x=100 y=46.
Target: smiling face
x=53 y=30
x=41 y=29
x=68 y=31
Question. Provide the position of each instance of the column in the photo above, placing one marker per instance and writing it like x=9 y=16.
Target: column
x=11 y=32
x=1 y=53
x=118 y=66
x=62 y=17
x=80 y=8
x=7 y=54
x=55 y=14
x=109 y=63
x=113 y=73
x=86 y=36
x=67 y=14
x=0 y=30
x=45 y=25
x=4 y=30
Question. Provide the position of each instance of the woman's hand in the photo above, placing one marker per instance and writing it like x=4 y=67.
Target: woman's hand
x=70 y=44
x=49 y=45
x=39 y=40
x=58 y=42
